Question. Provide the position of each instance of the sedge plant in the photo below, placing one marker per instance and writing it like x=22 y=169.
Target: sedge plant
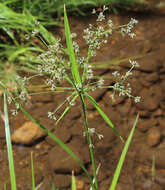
x=59 y=64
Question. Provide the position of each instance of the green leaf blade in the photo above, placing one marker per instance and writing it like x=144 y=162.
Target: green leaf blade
x=66 y=109
x=32 y=170
x=122 y=157
x=73 y=182
x=74 y=65
x=9 y=147
x=104 y=116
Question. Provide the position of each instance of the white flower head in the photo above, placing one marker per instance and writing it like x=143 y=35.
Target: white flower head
x=94 y=11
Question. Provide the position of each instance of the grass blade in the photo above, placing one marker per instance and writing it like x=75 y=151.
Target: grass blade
x=89 y=142
x=97 y=171
x=122 y=157
x=4 y=187
x=73 y=181
x=66 y=109
x=32 y=168
x=9 y=147
x=74 y=65
x=104 y=116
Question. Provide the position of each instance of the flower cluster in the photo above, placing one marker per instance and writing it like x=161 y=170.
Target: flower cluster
x=53 y=63
x=51 y=115
x=128 y=28
x=125 y=90
x=95 y=37
x=92 y=131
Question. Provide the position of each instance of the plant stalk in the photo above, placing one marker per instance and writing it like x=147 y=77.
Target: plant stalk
x=89 y=139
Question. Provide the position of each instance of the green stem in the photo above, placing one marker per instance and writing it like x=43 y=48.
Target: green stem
x=86 y=67
x=89 y=140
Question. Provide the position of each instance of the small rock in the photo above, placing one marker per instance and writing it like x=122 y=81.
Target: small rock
x=74 y=113
x=147 y=101
x=144 y=125
x=162 y=85
x=153 y=77
x=162 y=122
x=62 y=133
x=144 y=114
x=62 y=181
x=160 y=177
x=147 y=46
x=153 y=104
x=148 y=185
x=43 y=109
x=80 y=184
x=100 y=71
x=108 y=101
x=136 y=85
x=27 y=133
x=158 y=113
x=105 y=185
x=61 y=162
x=125 y=108
x=156 y=91
x=144 y=82
x=159 y=154
x=154 y=136
x=162 y=105
x=148 y=65
x=41 y=98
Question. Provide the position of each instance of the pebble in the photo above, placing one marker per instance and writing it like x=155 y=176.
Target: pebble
x=62 y=133
x=158 y=113
x=145 y=124
x=148 y=65
x=147 y=103
x=80 y=184
x=61 y=162
x=162 y=105
x=27 y=134
x=62 y=181
x=125 y=108
x=152 y=77
x=153 y=137
x=109 y=101
x=144 y=113
x=149 y=185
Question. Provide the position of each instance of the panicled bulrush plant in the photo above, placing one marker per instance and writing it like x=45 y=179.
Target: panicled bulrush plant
x=58 y=63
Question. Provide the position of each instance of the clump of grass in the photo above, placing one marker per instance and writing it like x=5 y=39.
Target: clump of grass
x=19 y=51
x=44 y=9
x=66 y=64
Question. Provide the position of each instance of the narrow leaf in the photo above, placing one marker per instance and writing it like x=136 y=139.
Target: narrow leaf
x=122 y=157
x=32 y=168
x=73 y=182
x=104 y=116
x=66 y=109
x=74 y=65
x=9 y=147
